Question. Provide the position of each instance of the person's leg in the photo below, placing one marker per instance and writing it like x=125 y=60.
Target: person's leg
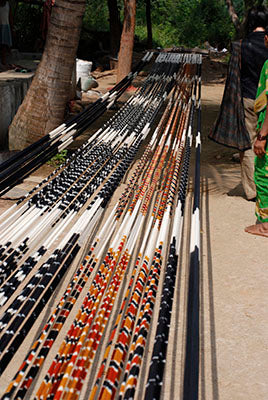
x=261 y=180
x=247 y=157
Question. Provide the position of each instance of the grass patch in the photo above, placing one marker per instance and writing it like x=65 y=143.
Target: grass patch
x=58 y=159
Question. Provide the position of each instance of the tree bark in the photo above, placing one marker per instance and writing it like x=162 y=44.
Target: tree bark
x=44 y=105
x=127 y=39
x=149 y=25
x=240 y=26
x=233 y=15
x=115 y=27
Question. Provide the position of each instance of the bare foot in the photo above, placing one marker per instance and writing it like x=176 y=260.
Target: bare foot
x=259 y=229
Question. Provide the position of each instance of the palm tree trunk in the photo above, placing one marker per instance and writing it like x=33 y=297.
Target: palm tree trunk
x=44 y=105
x=127 y=39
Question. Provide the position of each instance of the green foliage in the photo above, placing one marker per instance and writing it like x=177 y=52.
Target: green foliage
x=96 y=15
x=239 y=7
x=27 y=23
x=174 y=22
x=192 y=22
x=58 y=159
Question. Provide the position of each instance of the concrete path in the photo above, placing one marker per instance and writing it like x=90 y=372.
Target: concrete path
x=234 y=278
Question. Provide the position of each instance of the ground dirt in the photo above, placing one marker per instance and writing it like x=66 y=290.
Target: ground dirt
x=233 y=278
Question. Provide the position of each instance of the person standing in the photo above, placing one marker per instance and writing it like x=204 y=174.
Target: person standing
x=5 y=32
x=253 y=55
x=261 y=151
x=236 y=124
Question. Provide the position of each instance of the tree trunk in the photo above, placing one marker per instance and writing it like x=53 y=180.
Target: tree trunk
x=44 y=105
x=233 y=15
x=240 y=26
x=115 y=28
x=149 y=25
x=127 y=39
